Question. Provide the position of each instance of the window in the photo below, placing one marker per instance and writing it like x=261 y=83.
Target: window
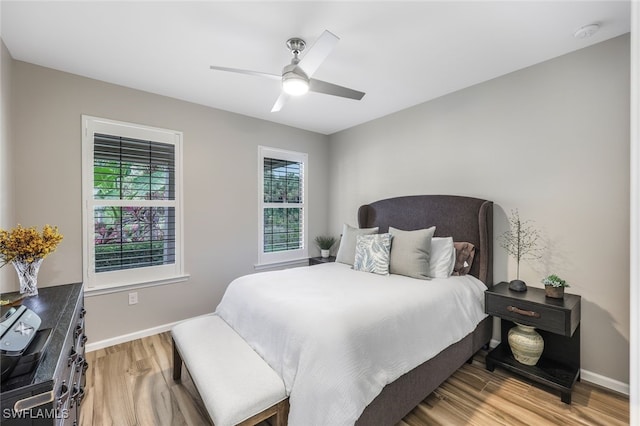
x=283 y=212
x=132 y=210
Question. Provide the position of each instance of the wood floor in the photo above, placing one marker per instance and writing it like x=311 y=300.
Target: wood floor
x=131 y=384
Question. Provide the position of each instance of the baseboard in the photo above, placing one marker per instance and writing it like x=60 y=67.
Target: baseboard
x=605 y=382
x=588 y=376
x=94 y=346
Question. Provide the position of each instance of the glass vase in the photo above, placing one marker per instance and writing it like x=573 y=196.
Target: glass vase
x=28 y=275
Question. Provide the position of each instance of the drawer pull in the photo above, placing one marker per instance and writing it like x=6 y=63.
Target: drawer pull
x=78 y=395
x=33 y=401
x=72 y=356
x=64 y=395
x=532 y=314
x=80 y=363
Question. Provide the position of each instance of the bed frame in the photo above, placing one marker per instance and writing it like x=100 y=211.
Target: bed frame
x=465 y=219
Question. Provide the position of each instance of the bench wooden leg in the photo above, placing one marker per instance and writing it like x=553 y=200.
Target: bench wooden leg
x=177 y=362
x=282 y=413
x=279 y=413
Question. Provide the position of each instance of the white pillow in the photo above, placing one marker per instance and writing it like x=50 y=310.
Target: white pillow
x=347 y=250
x=443 y=257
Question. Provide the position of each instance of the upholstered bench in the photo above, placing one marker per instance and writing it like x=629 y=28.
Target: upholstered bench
x=236 y=385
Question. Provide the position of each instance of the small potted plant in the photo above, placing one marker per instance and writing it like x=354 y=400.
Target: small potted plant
x=554 y=286
x=325 y=244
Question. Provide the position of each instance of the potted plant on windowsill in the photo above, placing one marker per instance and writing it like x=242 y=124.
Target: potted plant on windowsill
x=325 y=244
x=554 y=286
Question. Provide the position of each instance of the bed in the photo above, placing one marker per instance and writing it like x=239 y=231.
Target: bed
x=465 y=219
x=317 y=326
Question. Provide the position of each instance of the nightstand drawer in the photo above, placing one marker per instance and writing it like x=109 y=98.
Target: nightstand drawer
x=528 y=313
x=532 y=307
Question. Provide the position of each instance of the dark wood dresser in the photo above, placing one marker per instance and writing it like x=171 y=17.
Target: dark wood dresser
x=51 y=394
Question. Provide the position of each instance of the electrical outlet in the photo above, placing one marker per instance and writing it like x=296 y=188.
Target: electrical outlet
x=133 y=298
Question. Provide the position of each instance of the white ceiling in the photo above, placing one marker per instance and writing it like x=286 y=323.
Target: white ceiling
x=399 y=53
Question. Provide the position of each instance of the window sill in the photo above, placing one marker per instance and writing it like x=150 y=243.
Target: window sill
x=98 y=291
x=283 y=264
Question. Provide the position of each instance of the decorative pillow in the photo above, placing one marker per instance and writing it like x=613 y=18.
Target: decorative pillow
x=443 y=257
x=410 y=252
x=464 y=258
x=347 y=250
x=372 y=253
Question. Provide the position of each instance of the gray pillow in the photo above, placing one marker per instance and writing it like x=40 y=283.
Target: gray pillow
x=411 y=252
x=372 y=253
x=347 y=250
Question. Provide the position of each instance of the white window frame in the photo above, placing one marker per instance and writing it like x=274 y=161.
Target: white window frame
x=288 y=256
x=105 y=282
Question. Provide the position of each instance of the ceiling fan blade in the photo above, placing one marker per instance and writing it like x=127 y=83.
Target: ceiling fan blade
x=282 y=99
x=249 y=72
x=320 y=86
x=318 y=52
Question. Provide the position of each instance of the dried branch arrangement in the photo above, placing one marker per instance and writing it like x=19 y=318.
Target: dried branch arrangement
x=521 y=240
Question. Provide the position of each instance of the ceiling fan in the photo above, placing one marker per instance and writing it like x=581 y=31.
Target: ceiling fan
x=296 y=77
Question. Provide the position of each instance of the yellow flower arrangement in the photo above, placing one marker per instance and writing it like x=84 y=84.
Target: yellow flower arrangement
x=27 y=244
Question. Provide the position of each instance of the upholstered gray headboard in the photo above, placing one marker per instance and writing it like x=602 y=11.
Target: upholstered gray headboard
x=463 y=218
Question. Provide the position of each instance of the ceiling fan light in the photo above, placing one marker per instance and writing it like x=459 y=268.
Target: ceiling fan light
x=294 y=84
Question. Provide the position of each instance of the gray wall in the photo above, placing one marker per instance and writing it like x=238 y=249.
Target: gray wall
x=220 y=188
x=7 y=273
x=552 y=141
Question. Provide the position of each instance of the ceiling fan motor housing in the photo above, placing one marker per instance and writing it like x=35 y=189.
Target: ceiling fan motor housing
x=296 y=45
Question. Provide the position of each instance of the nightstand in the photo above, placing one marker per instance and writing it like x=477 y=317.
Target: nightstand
x=556 y=320
x=319 y=260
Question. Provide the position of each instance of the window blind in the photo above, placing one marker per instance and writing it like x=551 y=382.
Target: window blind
x=134 y=213
x=283 y=226
x=131 y=169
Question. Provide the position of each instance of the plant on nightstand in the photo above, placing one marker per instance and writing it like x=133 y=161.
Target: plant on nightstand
x=554 y=286
x=521 y=242
x=325 y=244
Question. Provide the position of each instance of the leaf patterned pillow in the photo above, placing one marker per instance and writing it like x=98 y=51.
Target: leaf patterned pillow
x=372 y=253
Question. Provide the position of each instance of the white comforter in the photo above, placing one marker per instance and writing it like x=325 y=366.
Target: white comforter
x=337 y=336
